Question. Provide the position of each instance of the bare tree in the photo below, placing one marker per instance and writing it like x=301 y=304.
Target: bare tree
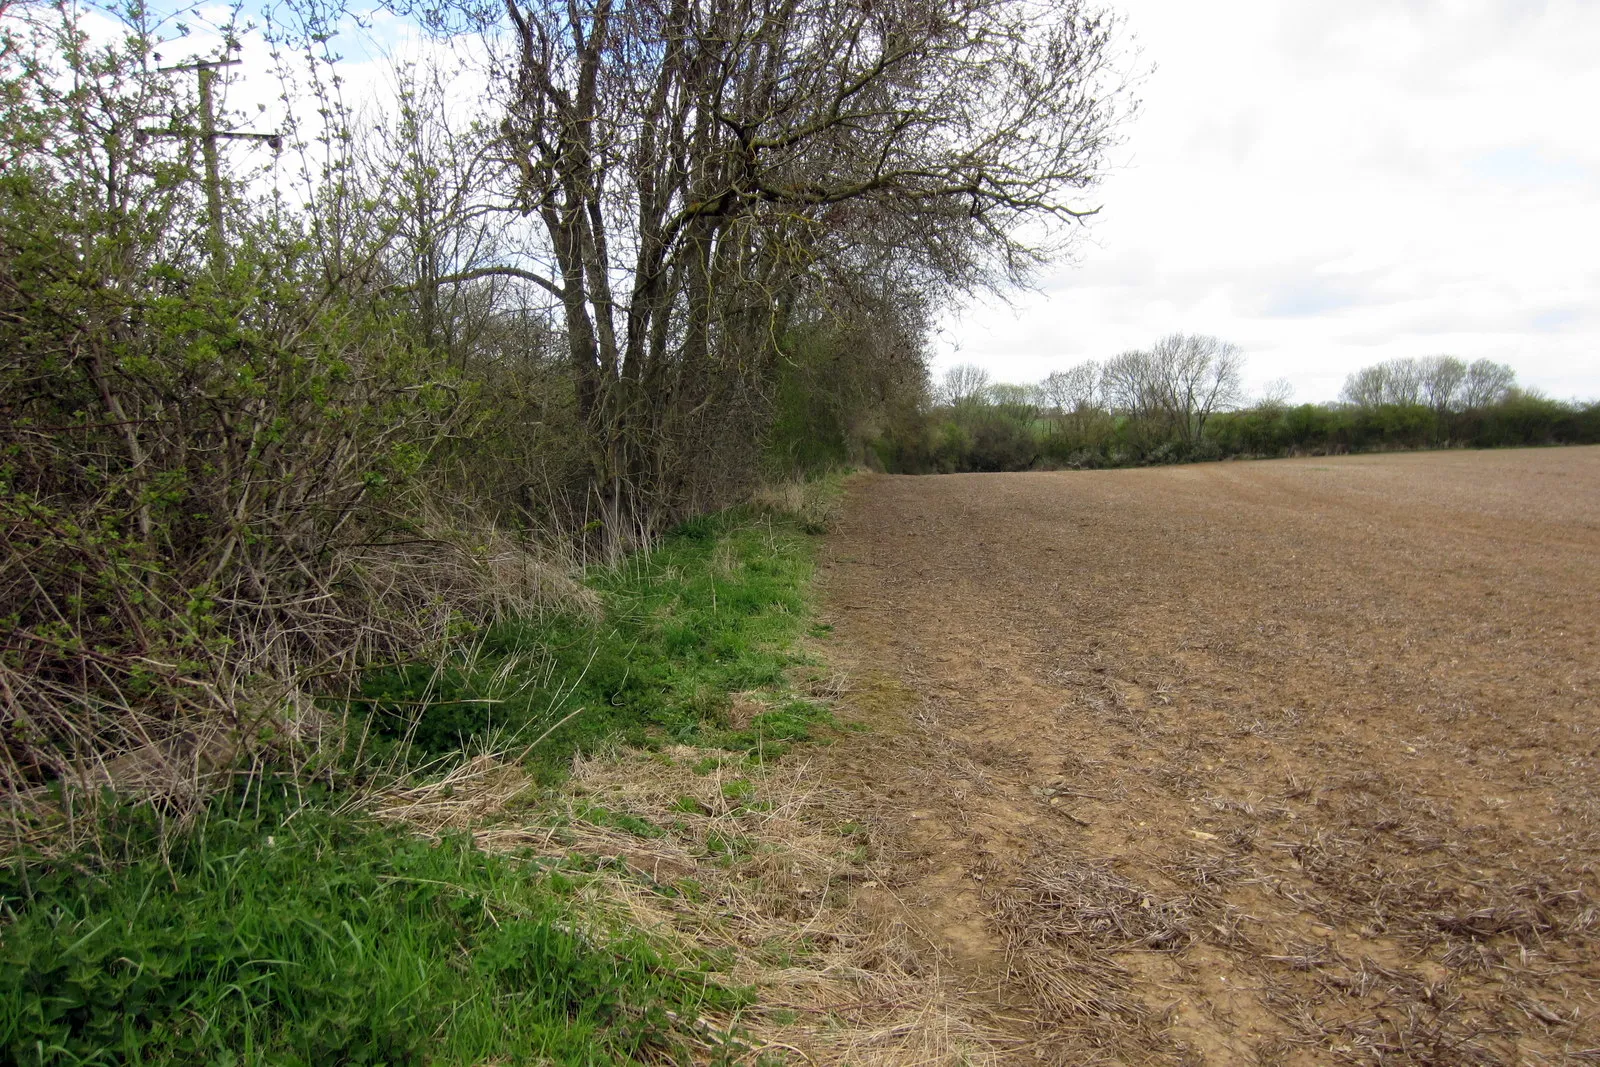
x=1487 y=383
x=1367 y=387
x=1443 y=383
x=1276 y=394
x=1073 y=389
x=1405 y=382
x=1442 y=380
x=1133 y=386
x=1178 y=384
x=1394 y=381
x=422 y=176
x=1199 y=375
x=964 y=385
x=1018 y=402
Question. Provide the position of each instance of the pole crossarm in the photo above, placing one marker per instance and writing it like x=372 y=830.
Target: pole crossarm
x=208 y=135
x=200 y=64
x=273 y=140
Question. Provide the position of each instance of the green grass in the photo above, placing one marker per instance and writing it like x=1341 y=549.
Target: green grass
x=324 y=939
x=715 y=610
x=279 y=933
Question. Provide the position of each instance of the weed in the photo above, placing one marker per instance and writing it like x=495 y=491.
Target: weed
x=621 y=820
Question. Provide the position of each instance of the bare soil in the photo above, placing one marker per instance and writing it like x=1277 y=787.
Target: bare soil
x=1278 y=762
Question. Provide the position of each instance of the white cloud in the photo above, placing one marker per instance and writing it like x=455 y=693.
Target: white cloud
x=1334 y=183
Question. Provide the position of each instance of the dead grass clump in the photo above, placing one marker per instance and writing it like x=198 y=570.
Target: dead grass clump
x=1386 y=1015
x=1092 y=904
x=461 y=799
x=1212 y=868
x=1369 y=888
x=829 y=686
x=182 y=686
x=1415 y=1039
x=1361 y=1011
x=1531 y=913
x=1086 y=995
x=1397 y=867
x=1064 y=924
x=811 y=503
x=769 y=867
x=1377 y=886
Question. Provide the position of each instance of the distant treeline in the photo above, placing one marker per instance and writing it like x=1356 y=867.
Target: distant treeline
x=1183 y=400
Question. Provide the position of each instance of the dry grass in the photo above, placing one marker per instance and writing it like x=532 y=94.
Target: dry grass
x=184 y=730
x=815 y=504
x=760 y=865
x=1089 y=905
x=1065 y=923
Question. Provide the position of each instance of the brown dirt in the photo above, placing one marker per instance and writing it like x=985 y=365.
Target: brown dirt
x=1280 y=762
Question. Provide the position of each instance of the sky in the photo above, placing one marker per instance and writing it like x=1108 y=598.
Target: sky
x=1331 y=183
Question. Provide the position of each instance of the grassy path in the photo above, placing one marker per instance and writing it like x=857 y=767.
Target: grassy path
x=453 y=888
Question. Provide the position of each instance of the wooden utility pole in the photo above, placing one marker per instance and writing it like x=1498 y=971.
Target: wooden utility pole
x=209 y=135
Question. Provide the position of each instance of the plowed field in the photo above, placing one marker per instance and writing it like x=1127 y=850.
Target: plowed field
x=1279 y=762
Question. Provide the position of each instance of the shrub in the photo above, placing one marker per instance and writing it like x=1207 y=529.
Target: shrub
x=223 y=475
x=952 y=449
x=1528 y=419
x=1002 y=444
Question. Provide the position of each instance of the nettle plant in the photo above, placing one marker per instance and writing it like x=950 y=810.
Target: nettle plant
x=209 y=463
